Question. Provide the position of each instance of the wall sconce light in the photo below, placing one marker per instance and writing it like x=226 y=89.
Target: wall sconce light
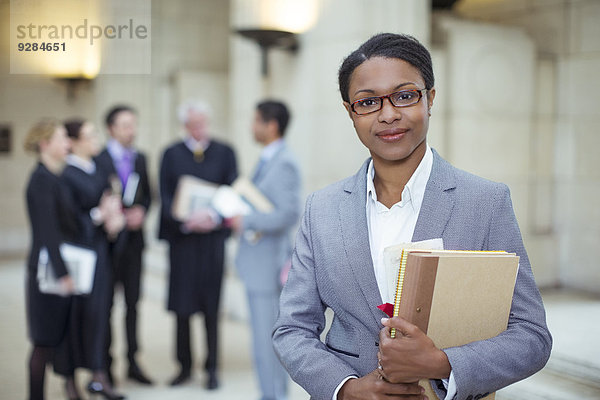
x=270 y=38
x=75 y=71
x=73 y=83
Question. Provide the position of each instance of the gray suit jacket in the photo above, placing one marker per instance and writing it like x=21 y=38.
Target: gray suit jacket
x=259 y=263
x=332 y=267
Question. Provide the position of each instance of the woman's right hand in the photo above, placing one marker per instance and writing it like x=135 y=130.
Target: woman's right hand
x=112 y=214
x=374 y=387
x=67 y=285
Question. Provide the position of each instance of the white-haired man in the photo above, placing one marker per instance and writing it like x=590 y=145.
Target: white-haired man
x=197 y=244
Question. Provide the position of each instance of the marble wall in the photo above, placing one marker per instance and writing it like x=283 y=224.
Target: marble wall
x=564 y=221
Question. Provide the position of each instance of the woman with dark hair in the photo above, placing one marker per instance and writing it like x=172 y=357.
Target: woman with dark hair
x=99 y=217
x=405 y=192
x=51 y=221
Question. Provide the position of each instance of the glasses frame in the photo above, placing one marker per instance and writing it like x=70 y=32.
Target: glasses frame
x=388 y=96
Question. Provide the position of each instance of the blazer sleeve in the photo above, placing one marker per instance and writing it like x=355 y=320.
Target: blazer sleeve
x=231 y=173
x=145 y=198
x=167 y=186
x=284 y=194
x=296 y=335
x=44 y=204
x=524 y=348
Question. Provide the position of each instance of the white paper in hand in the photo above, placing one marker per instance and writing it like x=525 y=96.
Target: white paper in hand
x=391 y=260
x=80 y=263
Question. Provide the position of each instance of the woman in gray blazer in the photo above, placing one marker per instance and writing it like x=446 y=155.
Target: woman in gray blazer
x=405 y=192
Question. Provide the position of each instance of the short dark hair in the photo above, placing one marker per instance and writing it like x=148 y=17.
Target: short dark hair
x=273 y=110
x=111 y=115
x=387 y=45
x=73 y=127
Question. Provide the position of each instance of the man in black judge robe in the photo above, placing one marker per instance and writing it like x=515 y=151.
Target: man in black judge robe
x=196 y=245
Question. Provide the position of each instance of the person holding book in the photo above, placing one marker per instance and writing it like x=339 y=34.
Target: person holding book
x=121 y=161
x=100 y=219
x=196 y=244
x=265 y=245
x=52 y=222
x=405 y=192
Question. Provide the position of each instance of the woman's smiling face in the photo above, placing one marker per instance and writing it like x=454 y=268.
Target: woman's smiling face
x=392 y=133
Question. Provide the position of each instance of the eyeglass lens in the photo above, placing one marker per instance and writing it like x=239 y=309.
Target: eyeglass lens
x=399 y=99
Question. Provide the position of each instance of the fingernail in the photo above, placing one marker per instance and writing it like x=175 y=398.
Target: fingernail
x=384 y=320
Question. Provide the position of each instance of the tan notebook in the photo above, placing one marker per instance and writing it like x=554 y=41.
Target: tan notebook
x=457 y=297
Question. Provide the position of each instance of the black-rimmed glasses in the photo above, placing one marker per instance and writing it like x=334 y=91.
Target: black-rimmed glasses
x=403 y=98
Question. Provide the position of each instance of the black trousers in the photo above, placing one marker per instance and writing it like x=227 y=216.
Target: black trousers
x=183 y=345
x=127 y=271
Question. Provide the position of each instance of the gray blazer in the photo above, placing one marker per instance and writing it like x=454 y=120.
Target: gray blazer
x=259 y=261
x=332 y=267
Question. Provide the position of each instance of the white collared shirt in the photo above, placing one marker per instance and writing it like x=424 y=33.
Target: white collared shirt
x=116 y=149
x=195 y=145
x=87 y=166
x=269 y=151
x=390 y=226
x=397 y=224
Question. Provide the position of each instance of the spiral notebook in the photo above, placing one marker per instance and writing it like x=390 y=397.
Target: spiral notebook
x=455 y=297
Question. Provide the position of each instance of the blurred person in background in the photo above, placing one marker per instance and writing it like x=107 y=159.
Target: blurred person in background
x=196 y=245
x=52 y=221
x=100 y=218
x=265 y=240
x=121 y=159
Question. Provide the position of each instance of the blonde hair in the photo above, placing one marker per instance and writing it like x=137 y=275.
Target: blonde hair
x=43 y=130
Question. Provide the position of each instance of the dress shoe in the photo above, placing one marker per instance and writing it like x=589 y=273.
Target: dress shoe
x=183 y=377
x=212 y=383
x=96 y=388
x=136 y=374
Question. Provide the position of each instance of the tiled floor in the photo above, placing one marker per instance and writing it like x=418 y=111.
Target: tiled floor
x=572 y=373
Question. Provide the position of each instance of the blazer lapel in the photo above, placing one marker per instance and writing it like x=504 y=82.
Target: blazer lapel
x=438 y=201
x=355 y=234
x=268 y=164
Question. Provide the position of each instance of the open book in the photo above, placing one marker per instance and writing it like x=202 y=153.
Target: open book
x=240 y=198
x=455 y=297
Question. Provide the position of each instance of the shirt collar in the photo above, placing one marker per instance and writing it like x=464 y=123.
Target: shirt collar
x=195 y=145
x=414 y=191
x=87 y=166
x=116 y=149
x=269 y=151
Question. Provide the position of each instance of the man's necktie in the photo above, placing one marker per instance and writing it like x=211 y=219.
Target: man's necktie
x=125 y=167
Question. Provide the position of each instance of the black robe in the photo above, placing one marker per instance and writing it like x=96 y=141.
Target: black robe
x=90 y=316
x=196 y=258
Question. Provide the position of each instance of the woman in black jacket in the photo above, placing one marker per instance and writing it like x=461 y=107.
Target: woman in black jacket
x=52 y=221
x=99 y=216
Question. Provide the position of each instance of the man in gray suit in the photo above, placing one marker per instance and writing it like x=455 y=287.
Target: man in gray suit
x=265 y=244
x=404 y=192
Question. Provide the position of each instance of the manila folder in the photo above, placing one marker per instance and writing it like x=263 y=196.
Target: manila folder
x=458 y=298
